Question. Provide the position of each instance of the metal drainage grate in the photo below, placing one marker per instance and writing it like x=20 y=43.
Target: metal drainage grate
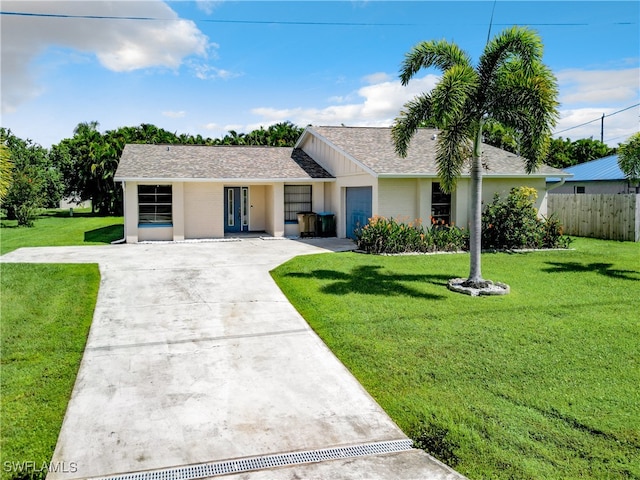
x=268 y=461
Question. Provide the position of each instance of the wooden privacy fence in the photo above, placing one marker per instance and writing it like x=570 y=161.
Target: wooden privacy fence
x=607 y=216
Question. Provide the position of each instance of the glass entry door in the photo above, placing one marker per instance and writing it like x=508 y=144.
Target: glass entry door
x=236 y=205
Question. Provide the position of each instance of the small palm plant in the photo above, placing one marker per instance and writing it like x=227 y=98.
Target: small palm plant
x=509 y=85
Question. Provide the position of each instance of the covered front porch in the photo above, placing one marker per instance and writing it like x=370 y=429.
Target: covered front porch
x=182 y=210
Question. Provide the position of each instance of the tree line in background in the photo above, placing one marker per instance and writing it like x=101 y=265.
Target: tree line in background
x=562 y=153
x=81 y=168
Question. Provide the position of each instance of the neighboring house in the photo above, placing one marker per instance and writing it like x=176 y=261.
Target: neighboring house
x=594 y=177
x=181 y=192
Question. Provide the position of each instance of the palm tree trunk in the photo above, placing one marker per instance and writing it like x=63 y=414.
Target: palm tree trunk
x=475 y=241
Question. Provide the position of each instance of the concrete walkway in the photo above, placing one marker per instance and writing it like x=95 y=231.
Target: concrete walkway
x=195 y=358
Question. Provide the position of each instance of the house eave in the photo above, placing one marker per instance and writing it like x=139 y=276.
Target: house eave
x=524 y=175
x=221 y=180
x=610 y=180
x=466 y=175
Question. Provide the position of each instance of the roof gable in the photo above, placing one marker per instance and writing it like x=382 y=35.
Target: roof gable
x=189 y=162
x=373 y=149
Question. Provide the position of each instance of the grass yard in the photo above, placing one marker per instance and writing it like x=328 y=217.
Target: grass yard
x=46 y=313
x=541 y=383
x=56 y=228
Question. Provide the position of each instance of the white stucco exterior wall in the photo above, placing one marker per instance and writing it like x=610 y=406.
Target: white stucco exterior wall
x=276 y=210
x=399 y=198
x=203 y=210
x=131 y=212
x=178 y=210
x=502 y=186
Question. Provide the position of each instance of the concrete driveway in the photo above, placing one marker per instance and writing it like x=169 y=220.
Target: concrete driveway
x=197 y=365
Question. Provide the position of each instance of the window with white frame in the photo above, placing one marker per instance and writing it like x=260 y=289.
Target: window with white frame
x=154 y=204
x=297 y=198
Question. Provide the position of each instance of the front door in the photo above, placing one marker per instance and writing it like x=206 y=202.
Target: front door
x=358 y=209
x=232 y=210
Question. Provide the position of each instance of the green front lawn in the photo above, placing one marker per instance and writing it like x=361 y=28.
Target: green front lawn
x=46 y=313
x=56 y=228
x=541 y=383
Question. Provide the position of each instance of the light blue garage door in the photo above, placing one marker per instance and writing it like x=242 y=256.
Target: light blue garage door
x=358 y=208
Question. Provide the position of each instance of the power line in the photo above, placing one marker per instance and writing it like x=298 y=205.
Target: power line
x=596 y=119
x=89 y=17
x=208 y=20
x=619 y=136
x=493 y=9
x=291 y=22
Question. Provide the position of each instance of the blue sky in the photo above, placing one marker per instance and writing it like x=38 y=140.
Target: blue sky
x=207 y=67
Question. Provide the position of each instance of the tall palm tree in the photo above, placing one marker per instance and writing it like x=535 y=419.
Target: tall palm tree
x=510 y=85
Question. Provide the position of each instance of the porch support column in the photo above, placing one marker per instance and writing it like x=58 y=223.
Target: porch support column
x=131 y=212
x=277 y=210
x=178 y=211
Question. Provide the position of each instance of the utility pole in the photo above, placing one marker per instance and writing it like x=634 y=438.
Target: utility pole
x=602 y=129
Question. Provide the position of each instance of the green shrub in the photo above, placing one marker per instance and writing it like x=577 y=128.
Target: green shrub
x=382 y=235
x=26 y=214
x=552 y=233
x=513 y=222
x=24 y=199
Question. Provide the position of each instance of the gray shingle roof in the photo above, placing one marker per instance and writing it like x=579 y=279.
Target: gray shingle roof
x=373 y=148
x=139 y=162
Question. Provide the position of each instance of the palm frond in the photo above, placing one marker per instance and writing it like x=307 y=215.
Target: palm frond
x=434 y=53
x=405 y=125
x=453 y=149
x=526 y=101
x=451 y=96
x=519 y=42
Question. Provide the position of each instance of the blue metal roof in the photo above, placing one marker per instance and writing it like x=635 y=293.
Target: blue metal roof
x=602 y=169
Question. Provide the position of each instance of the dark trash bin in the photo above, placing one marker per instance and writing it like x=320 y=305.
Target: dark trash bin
x=326 y=224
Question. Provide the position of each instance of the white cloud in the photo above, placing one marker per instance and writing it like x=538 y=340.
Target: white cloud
x=337 y=99
x=378 y=105
x=204 y=71
x=207 y=6
x=220 y=131
x=379 y=77
x=119 y=45
x=171 y=114
x=598 y=86
x=586 y=95
x=617 y=126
